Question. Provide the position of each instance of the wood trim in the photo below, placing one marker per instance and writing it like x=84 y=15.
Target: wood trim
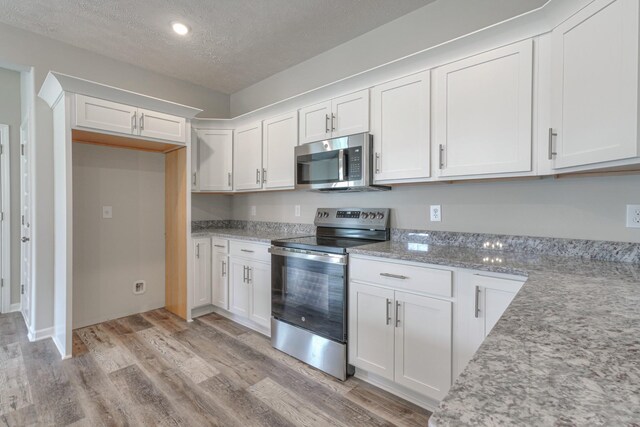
x=95 y=138
x=176 y=232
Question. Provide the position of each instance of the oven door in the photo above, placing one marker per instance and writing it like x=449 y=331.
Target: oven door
x=309 y=291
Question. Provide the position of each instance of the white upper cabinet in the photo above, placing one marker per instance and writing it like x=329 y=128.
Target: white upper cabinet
x=98 y=114
x=280 y=136
x=595 y=85
x=215 y=160
x=110 y=116
x=400 y=119
x=482 y=112
x=247 y=159
x=346 y=115
x=162 y=126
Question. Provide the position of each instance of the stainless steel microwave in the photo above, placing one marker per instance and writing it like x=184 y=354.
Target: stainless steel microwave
x=338 y=164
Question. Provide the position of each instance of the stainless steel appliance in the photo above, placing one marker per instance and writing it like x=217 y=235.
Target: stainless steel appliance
x=309 y=277
x=338 y=164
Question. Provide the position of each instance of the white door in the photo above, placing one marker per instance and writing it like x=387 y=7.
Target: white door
x=93 y=113
x=238 y=287
x=247 y=159
x=25 y=222
x=220 y=274
x=315 y=122
x=350 y=114
x=371 y=329
x=482 y=112
x=280 y=136
x=215 y=157
x=595 y=84
x=259 y=277
x=423 y=344
x=202 y=272
x=400 y=124
x=162 y=126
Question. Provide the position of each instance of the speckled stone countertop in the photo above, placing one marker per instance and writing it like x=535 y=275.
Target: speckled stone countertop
x=566 y=351
x=261 y=236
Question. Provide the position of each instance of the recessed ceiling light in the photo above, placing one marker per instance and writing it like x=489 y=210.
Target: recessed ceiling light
x=180 y=28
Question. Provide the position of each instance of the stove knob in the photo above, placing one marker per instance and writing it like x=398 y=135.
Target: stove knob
x=364 y=215
x=380 y=215
x=319 y=214
x=325 y=215
x=372 y=215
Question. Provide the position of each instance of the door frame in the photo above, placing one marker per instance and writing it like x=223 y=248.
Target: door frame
x=5 y=218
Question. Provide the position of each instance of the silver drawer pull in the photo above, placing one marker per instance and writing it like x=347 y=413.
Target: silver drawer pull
x=397 y=314
x=388 y=314
x=247 y=250
x=220 y=246
x=394 y=276
x=477 y=307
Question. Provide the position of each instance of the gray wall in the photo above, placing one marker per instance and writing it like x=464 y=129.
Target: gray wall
x=109 y=255
x=210 y=206
x=10 y=114
x=424 y=28
x=581 y=208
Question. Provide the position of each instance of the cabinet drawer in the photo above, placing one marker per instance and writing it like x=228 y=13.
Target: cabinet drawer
x=250 y=250
x=219 y=245
x=403 y=277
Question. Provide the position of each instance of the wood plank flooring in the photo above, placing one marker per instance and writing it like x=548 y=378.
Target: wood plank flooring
x=156 y=369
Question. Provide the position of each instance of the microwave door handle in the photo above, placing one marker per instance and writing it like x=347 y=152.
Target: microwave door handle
x=341 y=165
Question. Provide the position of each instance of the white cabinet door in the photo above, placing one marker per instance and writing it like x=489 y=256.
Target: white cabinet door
x=215 y=158
x=259 y=277
x=482 y=112
x=400 y=127
x=202 y=272
x=280 y=136
x=371 y=329
x=423 y=344
x=162 y=126
x=595 y=84
x=220 y=274
x=247 y=159
x=195 y=173
x=315 y=122
x=238 y=287
x=93 y=113
x=350 y=114
x=495 y=296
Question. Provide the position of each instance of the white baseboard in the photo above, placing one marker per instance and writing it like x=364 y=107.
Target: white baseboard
x=59 y=346
x=14 y=307
x=236 y=318
x=40 y=334
x=398 y=390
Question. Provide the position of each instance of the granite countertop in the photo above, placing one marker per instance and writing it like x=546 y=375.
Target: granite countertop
x=565 y=352
x=261 y=236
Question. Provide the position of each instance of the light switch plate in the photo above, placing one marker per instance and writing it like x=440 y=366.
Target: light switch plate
x=633 y=216
x=436 y=213
x=107 y=212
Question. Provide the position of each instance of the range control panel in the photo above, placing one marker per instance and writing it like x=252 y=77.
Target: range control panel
x=368 y=218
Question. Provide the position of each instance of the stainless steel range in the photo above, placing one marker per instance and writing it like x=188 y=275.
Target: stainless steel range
x=309 y=286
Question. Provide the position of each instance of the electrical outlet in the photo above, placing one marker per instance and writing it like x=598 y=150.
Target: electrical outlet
x=107 y=212
x=297 y=210
x=139 y=287
x=633 y=216
x=253 y=211
x=436 y=213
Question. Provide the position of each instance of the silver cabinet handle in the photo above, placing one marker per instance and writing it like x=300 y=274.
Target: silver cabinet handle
x=388 y=311
x=224 y=269
x=441 y=156
x=477 y=308
x=220 y=246
x=264 y=175
x=551 y=135
x=257 y=176
x=394 y=276
x=333 y=119
x=397 y=313
x=229 y=179
x=198 y=250
x=377 y=163
x=326 y=123
x=244 y=273
x=249 y=271
x=134 y=121
x=194 y=179
x=142 y=122
x=247 y=250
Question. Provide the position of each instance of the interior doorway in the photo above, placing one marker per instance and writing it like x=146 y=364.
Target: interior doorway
x=25 y=223
x=5 y=221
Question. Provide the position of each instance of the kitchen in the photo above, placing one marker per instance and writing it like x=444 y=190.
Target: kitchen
x=448 y=236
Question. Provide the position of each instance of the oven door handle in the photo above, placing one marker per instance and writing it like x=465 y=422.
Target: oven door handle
x=341 y=165
x=308 y=255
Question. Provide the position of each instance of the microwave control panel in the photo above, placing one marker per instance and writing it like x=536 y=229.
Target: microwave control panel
x=354 y=159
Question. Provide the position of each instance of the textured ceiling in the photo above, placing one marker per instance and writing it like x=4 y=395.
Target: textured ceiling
x=233 y=43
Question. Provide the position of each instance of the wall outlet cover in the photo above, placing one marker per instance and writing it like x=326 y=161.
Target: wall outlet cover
x=436 y=213
x=107 y=212
x=633 y=216
x=139 y=287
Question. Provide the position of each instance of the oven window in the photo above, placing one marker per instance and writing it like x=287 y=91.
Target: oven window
x=320 y=168
x=310 y=294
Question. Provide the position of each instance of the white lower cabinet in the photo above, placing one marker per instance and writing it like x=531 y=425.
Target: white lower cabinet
x=220 y=282
x=201 y=272
x=259 y=277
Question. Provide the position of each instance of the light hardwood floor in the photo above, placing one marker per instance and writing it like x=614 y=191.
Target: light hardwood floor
x=155 y=369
